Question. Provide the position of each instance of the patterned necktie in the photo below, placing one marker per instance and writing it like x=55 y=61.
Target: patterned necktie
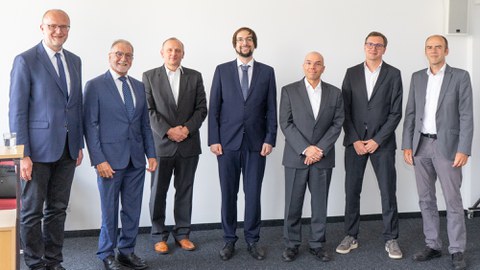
x=127 y=97
x=61 y=74
x=244 y=82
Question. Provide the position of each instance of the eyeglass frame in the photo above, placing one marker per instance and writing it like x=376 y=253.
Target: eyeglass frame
x=248 y=39
x=54 y=27
x=374 y=45
x=120 y=54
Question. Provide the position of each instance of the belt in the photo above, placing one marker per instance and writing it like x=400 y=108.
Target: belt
x=431 y=136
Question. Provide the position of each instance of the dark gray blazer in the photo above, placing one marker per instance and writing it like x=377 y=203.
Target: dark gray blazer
x=454 y=112
x=378 y=117
x=301 y=129
x=164 y=113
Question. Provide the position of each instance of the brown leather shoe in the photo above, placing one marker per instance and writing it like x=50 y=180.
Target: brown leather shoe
x=161 y=247
x=186 y=244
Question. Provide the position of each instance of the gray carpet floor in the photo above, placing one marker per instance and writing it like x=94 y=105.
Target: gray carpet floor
x=79 y=252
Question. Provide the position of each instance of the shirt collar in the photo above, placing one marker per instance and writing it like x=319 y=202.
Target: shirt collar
x=309 y=86
x=180 y=68
x=377 y=69
x=440 y=72
x=51 y=53
x=240 y=63
x=115 y=75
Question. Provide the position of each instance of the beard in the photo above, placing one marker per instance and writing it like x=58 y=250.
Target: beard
x=245 y=55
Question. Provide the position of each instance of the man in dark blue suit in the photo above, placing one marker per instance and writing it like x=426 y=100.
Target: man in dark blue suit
x=46 y=113
x=118 y=135
x=242 y=129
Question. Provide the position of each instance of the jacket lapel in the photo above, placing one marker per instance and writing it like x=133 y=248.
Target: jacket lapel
x=323 y=102
x=166 y=88
x=236 y=79
x=361 y=83
x=380 y=79
x=43 y=58
x=112 y=87
x=446 y=81
x=302 y=90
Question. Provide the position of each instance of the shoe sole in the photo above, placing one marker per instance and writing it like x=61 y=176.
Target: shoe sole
x=346 y=251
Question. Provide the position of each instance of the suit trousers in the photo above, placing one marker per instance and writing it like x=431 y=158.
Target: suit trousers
x=46 y=197
x=383 y=162
x=296 y=181
x=183 y=169
x=430 y=163
x=126 y=185
x=252 y=166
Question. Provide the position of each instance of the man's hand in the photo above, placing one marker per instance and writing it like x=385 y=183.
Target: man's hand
x=359 y=147
x=216 y=149
x=266 y=149
x=105 y=170
x=312 y=154
x=177 y=134
x=408 y=156
x=460 y=160
x=371 y=146
x=80 y=157
x=26 y=166
x=152 y=164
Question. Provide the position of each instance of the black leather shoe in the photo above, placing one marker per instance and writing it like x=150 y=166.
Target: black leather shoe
x=289 y=254
x=256 y=251
x=131 y=261
x=320 y=254
x=227 y=251
x=111 y=264
x=426 y=254
x=55 y=267
x=458 y=261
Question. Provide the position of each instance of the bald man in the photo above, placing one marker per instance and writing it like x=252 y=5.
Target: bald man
x=311 y=118
x=46 y=113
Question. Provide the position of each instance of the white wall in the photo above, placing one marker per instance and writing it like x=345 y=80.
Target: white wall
x=287 y=30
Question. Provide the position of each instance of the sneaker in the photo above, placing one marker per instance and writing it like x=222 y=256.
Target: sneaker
x=394 y=251
x=348 y=243
x=458 y=261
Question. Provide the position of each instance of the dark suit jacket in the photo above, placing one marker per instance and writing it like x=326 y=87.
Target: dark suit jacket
x=111 y=136
x=378 y=117
x=39 y=112
x=232 y=119
x=301 y=129
x=165 y=114
x=454 y=116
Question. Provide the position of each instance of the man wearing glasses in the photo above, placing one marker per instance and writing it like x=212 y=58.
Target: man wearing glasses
x=46 y=113
x=372 y=93
x=242 y=130
x=118 y=135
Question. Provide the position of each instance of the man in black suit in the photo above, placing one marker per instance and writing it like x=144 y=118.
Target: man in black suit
x=372 y=93
x=177 y=107
x=311 y=118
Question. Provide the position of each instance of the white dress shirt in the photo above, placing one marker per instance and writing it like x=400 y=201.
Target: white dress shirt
x=174 y=79
x=119 y=83
x=51 y=55
x=315 y=96
x=371 y=78
x=434 y=85
x=250 y=70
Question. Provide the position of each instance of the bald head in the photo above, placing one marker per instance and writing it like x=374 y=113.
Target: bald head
x=313 y=67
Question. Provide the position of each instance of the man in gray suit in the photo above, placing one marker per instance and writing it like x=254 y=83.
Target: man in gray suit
x=372 y=93
x=437 y=140
x=311 y=118
x=177 y=107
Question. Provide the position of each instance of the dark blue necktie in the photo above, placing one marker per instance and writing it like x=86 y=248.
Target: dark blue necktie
x=127 y=97
x=244 y=82
x=61 y=74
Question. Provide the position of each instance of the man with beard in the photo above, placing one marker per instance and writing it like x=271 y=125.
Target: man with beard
x=118 y=135
x=46 y=113
x=242 y=129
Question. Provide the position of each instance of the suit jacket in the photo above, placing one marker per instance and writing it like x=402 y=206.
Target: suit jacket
x=378 y=117
x=110 y=134
x=232 y=119
x=39 y=112
x=454 y=117
x=301 y=129
x=165 y=113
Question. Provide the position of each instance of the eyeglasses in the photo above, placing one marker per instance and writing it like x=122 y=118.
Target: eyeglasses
x=247 y=39
x=371 y=45
x=54 y=27
x=120 y=54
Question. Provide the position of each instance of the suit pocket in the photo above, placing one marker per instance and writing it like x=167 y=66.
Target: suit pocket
x=38 y=124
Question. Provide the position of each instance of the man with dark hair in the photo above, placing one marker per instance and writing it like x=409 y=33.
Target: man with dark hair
x=372 y=93
x=118 y=135
x=242 y=130
x=46 y=113
x=437 y=141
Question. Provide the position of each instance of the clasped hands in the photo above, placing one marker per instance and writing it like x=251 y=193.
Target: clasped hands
x=365 y=147
x=312 y=154
x=178 y=133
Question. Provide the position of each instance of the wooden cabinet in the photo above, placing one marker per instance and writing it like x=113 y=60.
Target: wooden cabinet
x=7 y=239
